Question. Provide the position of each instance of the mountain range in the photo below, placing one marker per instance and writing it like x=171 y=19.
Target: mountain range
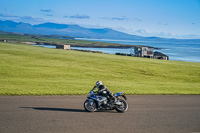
x=79 y=32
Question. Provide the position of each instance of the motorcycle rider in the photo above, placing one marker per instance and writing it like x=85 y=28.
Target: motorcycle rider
x=102 y=88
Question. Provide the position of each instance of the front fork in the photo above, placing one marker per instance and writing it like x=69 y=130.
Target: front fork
x=98 y=103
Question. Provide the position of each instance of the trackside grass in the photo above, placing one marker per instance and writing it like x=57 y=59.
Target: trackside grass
x=31 y=70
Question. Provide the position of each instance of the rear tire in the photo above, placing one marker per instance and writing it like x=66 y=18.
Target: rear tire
x=122 y=108
x=90 y=106
x=122 y=97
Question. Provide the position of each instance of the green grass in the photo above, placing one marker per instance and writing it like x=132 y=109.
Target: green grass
x=31 y=70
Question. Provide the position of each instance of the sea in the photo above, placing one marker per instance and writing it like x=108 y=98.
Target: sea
x=175 y=51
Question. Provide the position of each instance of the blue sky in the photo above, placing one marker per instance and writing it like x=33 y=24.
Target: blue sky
x=162 y=18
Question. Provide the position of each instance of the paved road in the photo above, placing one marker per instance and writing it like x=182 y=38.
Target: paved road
x=65 y=114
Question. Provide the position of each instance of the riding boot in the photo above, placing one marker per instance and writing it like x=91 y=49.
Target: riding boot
x=113 y=100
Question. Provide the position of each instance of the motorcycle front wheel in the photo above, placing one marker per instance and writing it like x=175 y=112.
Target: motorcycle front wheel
x=123 y=107
x=90 y=105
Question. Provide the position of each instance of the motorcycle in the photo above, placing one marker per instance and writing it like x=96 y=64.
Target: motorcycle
x=96 y=102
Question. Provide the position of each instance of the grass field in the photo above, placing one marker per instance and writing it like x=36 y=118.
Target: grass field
x=31 y=70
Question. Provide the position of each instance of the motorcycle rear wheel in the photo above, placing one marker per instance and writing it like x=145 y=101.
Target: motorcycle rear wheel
x=90 y=107
x=122 y=108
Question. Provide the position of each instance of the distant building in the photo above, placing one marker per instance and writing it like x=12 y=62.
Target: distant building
x=148 y=52
x=63 y=47
x=144 y=51
x=3 y=40
x=159 y=55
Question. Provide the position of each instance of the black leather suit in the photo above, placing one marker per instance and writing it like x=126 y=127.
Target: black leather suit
x=102 y=88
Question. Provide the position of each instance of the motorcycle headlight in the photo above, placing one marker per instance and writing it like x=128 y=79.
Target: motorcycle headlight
x=104 y=92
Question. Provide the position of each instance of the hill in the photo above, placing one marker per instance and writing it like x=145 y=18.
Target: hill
x=62 y=29
x=31 y=70
x=81 y=32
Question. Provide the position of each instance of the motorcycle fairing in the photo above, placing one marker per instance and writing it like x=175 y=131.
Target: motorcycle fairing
x=118 y=93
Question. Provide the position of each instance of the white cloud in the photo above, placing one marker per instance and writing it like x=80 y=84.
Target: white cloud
x=47 y=12
x=115 y=18
x=27 y=19
x=78 y=16
x=148 y=33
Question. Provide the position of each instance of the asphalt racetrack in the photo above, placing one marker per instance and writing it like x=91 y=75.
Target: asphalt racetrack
x=65 y=114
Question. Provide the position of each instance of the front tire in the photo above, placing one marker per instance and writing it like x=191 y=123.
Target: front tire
x=123 y=107
x=90 y=106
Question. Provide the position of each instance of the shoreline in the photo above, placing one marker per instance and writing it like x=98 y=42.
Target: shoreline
x=121 y=46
